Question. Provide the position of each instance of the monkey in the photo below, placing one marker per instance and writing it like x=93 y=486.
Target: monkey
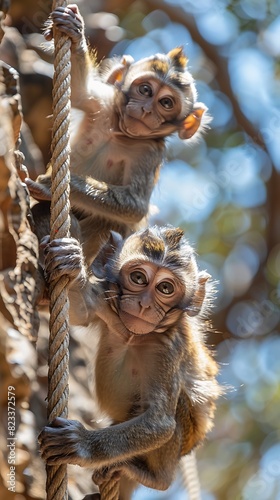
x=155 y=378
x=129 y=108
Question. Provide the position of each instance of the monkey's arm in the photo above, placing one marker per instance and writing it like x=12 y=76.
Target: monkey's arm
x=69 y=21
x=125 y=204
x=67 y=441
x=155 y=470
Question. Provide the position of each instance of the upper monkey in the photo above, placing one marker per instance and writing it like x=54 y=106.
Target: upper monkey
x=157 y=97
x=118 y=147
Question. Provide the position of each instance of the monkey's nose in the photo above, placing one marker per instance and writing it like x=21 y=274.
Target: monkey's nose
x=145 y=302
x=144 y=306
x=146 y=110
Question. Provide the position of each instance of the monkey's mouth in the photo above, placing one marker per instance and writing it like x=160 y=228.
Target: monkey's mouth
x=135 y=126
x=136 y=325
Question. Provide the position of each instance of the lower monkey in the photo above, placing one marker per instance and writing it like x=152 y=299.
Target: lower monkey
x=154 y=376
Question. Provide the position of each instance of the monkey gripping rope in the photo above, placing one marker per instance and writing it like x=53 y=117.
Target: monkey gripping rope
x=58 y=390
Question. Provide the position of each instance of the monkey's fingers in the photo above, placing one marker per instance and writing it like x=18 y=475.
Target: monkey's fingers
x=60 y=442
x=48 y=30
x=38 y=191
x=48 y=34
x=58 y=425
x=44 y=242
x=61 y=459
x=69 y=22
x=63 y=256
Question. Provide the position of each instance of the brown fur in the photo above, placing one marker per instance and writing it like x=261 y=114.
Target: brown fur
x=158 y=386
x=119 y=144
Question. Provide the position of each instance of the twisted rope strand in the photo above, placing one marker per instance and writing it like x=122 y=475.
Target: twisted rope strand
x=109 y=490
x=189 y=476
x=58 y=376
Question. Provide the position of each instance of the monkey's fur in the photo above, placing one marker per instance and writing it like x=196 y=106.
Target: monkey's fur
x=128 y=108
x=155 y=378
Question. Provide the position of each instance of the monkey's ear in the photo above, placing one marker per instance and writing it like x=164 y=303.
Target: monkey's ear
x=192 y=122
x=106 y=253
x=173 y=236
x=119 y=70
x=178 y=58
x=199 y=296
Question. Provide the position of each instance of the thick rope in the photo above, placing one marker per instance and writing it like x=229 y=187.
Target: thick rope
x=58 y=375
x=58 y=390
x=189 y=476
x=109 y=490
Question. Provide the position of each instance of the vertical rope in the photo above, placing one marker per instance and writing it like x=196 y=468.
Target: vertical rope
x=58 y=375
x=58 y=390
x=189 y=476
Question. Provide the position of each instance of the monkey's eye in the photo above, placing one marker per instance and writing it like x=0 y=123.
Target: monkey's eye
x=138 y=277
x=165 y=287
x=145 y=89
x=166 y=103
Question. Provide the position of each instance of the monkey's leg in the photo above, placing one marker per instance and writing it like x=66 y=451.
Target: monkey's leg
x=154 y=470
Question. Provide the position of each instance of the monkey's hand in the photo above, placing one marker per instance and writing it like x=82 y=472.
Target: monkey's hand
x=68 y=21
x=106 y=309
x=64 y=256
x=40 y=190
x=64 y=442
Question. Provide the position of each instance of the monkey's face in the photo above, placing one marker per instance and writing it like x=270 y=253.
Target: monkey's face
x=156 y=96
x=148 y=293
x=152 y=107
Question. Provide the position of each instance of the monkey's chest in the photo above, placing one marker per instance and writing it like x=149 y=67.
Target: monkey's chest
x=97 y=152
x=106 y=164
x=118 y=384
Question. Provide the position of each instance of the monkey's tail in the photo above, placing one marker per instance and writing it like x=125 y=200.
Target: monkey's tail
x=189 y=476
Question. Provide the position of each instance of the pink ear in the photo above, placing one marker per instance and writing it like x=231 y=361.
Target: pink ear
x=192 y=122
